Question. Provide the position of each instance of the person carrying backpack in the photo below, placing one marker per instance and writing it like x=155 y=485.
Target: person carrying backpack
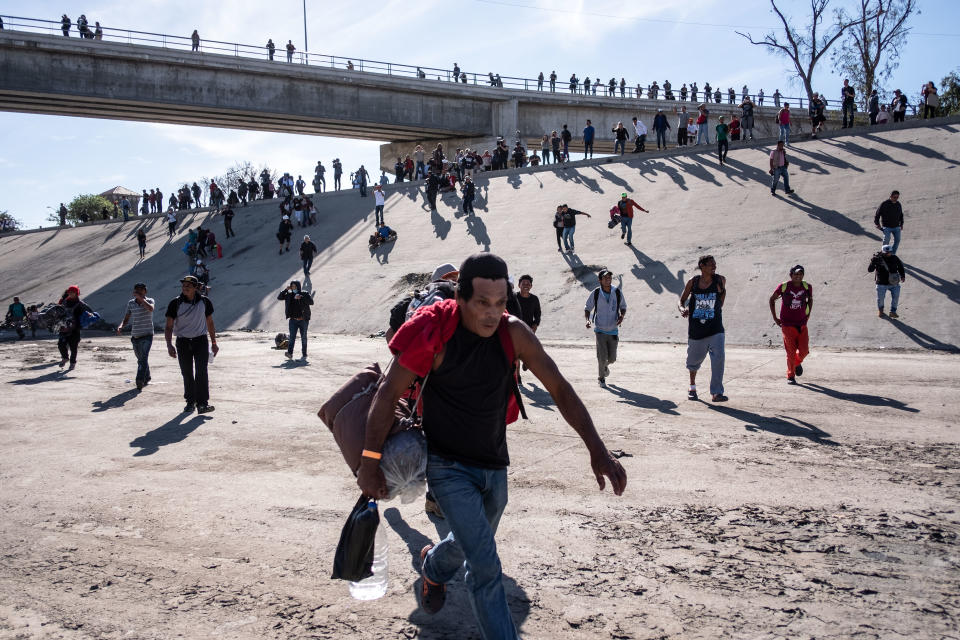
x=70 y=329
x=605 y=309
x=296 y=308
x=466 y=352
x=797 y=304
x=889 y=275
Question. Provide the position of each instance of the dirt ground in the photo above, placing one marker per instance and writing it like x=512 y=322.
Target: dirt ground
x=825 y=510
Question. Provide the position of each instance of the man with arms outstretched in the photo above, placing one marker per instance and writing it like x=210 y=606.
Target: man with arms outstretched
x=467 y=402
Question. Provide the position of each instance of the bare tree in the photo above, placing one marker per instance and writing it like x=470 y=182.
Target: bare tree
x=805 y=48
x=871 y=50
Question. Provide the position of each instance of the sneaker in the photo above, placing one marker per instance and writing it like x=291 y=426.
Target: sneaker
x=289 y=355
x=602 y=381
x=790 y=190
x=773 y=193
x=791 y=380
x=188 y=408
x=692 y=394
x=719 y=397
x=893 y=314
x=73 y=365
x=430 y=506
x=62 y=363
x=623 y=235
x=880 y=314
x=204 y=408
x=139 y=385
x=432 y=595
x=798 y=370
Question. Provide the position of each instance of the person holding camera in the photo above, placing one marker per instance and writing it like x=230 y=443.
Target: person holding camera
x=296 y=304
x=889 y=275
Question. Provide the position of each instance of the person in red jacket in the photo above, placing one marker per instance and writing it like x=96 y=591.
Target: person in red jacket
x=797 y=304
x=626 y=206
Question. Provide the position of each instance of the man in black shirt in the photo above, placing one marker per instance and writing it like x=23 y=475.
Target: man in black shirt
x=889 y=220
x=462 y=345
x=529 y=303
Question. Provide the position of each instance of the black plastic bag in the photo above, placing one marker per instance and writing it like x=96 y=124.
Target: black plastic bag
x=354 y=557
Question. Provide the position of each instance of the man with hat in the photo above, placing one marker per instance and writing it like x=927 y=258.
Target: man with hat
x=606 y=308
x=797 y=304
x=469 y=347
x=190 y=318
x=139 y=315
x=889 y=275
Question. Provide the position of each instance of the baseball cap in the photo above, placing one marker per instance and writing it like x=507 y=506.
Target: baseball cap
x=604 y=272
x=444 y=272
x=191 y=280
x=886 y=248
x=483 y=265
x=140 y=285
x=797 y=268
x=74 y=288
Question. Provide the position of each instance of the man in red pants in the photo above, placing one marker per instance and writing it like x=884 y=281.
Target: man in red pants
x=797 y=296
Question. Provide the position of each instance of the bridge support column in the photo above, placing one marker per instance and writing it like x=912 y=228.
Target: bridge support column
x=506 y=119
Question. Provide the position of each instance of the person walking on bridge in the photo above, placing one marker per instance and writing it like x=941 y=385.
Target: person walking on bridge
x=553 y=81
x=271 y=48
x=195 y=41
x=65 y=25
x=290 y=50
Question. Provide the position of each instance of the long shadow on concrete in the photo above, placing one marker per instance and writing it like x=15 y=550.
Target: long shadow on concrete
x=47 y=377
x=441 y=226
x=860 y=398
x=643 y=401
x=657 y=165
x=950 y=289
x=536 y=396
x=116 y=401
x=606 y=174
x=921 y=150
x=776 y=425
x=656 y=274
x=830 y=217
x=570 y=174
x=922 y=339
x=172 y=432
x=478 y=229
x=819 y=160
x=456 y=619
x=851 y=147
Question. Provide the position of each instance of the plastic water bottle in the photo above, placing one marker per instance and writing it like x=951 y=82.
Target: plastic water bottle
x=376 y=585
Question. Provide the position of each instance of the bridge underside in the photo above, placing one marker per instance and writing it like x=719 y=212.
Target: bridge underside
x=77 y=106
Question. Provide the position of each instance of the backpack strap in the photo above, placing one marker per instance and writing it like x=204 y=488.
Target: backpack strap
x=503 y=332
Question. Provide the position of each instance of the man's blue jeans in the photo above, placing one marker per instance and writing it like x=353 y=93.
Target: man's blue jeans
x=568 y=237
x=703 y=134
x=294 y=326
x=626 y=227
x=473 y=499
x=894 y=296
x=895 y=232
x=661 y=138
x=784 y=134
x=307 y=263
x=779 y=171
x=141 y=348
x=620 y=144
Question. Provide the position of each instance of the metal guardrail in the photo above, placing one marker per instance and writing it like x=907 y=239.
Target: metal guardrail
x=129 y=36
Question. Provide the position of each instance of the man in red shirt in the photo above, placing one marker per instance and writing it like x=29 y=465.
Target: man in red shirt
x=797 y=296
x=626 y=206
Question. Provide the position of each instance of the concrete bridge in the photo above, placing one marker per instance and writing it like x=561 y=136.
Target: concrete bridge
x=53 y=75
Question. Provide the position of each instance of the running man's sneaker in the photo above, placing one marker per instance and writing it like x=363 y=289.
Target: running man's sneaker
x=790 y=190
x=602 y=381
x=719 y=397
x=62 y=363
x=880 y=314
x=189 y=408
x=204 y=408
x=432 y=595
x=893 y=314
x=692 y=394
x=791 y=380
x=798 y=370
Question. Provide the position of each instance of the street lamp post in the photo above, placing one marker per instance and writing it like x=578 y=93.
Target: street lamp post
x=306 y=48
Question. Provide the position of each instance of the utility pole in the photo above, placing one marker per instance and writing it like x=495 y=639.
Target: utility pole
x=306 y=48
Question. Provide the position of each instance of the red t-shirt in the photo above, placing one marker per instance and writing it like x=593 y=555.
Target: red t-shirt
x=796 y=300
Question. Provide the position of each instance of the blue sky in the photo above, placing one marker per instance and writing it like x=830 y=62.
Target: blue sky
x=46 y=160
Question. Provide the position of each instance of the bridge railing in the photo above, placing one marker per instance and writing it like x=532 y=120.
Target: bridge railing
x=562 y=87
